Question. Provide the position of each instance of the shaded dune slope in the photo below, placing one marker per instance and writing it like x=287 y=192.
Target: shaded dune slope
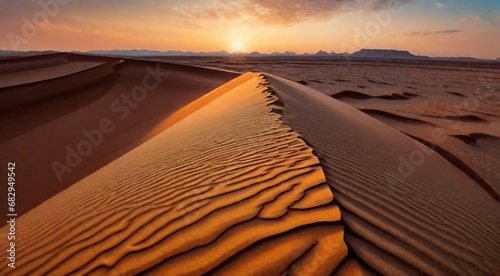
x=475 y=154
x=47 y=128
x=419 y=116
x=229 y=188
x=478 y=152
x=406 y=208
x=17 y=64
x=14 y=95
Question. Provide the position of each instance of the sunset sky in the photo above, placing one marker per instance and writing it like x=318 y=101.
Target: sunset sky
x=423 y=27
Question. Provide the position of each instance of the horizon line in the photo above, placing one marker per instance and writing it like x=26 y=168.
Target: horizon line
x=246 y=52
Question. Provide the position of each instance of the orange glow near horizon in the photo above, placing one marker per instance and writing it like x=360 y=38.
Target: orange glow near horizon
x=237 y=46
x=423 y=29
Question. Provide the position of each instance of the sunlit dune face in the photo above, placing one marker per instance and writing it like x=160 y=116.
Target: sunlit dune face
x=237 y=46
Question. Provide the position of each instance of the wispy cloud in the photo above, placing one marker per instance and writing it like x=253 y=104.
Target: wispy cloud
x=441 y=3
x=475 y=18
x=272 y=12
x=437 y=32
x=448 y=32
x=196 y=13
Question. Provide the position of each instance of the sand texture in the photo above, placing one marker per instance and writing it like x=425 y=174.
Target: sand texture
x=228 y=188
x=38 y=133
x=452 y=107
x=435 y=220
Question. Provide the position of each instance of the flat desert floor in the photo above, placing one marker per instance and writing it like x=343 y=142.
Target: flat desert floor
x=239 y=166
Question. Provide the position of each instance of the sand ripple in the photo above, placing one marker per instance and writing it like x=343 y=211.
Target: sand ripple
x=228 y=188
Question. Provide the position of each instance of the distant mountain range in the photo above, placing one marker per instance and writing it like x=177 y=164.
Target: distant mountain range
x=362 y=54
x=7 y=53
x=148 y=53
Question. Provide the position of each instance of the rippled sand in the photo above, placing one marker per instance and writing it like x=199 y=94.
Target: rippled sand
x=221 y=173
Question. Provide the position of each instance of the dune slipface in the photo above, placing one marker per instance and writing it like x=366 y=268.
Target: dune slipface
x=66 y=121
x=406 y=208
x=226 y=188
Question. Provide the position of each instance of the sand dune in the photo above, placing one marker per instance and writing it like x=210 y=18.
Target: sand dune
x=45 y=135
x=457 y=98
x=407 y=210
x=229 y=180
x=45 y=73
x=52 y=81
x=31 y=63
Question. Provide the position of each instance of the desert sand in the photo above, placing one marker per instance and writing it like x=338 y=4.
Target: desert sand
x=456 y=100
x=39 y=134
x=222 y=172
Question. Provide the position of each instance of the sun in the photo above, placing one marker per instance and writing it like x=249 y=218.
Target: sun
x=236 y=46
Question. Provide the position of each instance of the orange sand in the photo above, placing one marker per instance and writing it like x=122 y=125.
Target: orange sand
x=260 y=176
x=229 y=178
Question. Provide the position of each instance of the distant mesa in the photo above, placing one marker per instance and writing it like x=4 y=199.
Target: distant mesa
x=388 y=54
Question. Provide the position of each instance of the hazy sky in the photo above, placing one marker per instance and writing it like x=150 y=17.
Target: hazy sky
x=425 y=27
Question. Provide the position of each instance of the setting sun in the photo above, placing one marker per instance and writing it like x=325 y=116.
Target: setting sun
x=237 y=46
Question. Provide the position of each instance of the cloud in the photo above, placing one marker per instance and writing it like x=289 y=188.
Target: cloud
x=436 y=32
x=441 y=3
x=448 y=32
x=279 y=12
x=465 y=19
x=199 y=13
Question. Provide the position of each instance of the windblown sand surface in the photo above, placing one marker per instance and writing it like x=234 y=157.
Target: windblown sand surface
x=456 y=100
x=52 y=114
x=226 y=174
x=229 y=178
x=436 y=220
